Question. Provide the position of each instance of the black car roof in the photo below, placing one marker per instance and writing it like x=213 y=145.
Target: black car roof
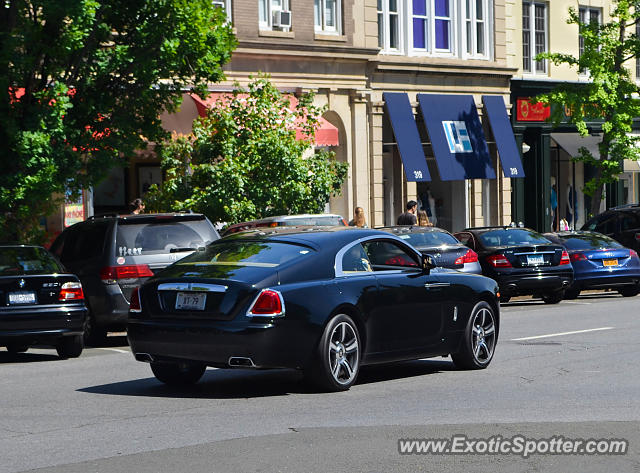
x=411 y=229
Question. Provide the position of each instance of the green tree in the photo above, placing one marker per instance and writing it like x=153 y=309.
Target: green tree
x=84 y=83
x=610 y=94
x=243 y=160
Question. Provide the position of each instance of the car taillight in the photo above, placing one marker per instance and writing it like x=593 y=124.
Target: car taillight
x=565 y=258
x=633 y=254
x=576 y=257
x=71 y=291
x=498 y=261
x=469 y=257
x=269 y=303
x=134 y=303
x=130 y=271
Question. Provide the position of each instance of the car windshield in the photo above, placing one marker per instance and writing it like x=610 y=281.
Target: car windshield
x=17 y=261
x=162 y=237
x=321 y=220
x=247 y=253
x=591 y=241
x=429 y=239
x=511 y=237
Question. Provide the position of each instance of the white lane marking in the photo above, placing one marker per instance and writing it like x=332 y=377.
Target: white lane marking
x=561 y=334
x=116 y=350
x=578 y=303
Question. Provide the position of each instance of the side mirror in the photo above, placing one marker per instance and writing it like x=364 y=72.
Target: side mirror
x=428 y=263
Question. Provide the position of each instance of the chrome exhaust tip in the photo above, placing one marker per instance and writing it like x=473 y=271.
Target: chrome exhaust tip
x=144 y=357
x=241 y=362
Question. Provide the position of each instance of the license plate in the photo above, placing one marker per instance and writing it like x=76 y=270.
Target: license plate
x=609 y=262
x=534 y=260
x=22 y=297
x=190 y=300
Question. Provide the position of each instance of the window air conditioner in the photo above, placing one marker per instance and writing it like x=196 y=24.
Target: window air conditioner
x=282 y=18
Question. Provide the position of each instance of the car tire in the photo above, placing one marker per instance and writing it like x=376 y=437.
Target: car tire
x=629 y=291
x=478 y=340
x=15 y=348
x=336 y=361
x=70 y=347
x=94 y=335
x=178 y=374
x=553 y=297
x=571 y=293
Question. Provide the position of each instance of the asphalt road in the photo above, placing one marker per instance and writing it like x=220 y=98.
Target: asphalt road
x=104 y=412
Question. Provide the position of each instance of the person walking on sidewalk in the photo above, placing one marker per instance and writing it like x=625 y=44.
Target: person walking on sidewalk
x=409 y=217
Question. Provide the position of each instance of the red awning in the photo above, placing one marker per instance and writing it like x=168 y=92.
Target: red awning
x=326 y=133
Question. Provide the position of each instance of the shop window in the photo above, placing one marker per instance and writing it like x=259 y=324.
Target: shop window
x=327 y=15
x=454 y=28
x=225 y=5
x=587 y=15
x=274 y=15
x=535 y=34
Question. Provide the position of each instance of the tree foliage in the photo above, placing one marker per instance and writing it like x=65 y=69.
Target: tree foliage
x=243 y=160
x=84 y=83
x=610 y=95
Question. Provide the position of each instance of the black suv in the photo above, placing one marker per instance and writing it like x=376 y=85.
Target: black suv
x=114 y=254
x=620 y=223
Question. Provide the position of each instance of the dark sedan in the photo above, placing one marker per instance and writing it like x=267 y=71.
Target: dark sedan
x=522 y=261
x=443 y=247
x=599 y=262
x=325 y=301
x=39 y=302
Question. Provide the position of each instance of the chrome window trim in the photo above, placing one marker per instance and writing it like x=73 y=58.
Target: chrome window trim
x=337 y=266
x=270 y=316
x=191 y=286
x=536 y=253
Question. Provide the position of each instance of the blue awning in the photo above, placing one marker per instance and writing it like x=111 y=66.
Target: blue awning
x=456 y=136
x=496 y=111
x=407 y=136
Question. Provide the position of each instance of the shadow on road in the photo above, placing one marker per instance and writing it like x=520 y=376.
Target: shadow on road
x=239 y=383
x=583 y=297
x=6 y=357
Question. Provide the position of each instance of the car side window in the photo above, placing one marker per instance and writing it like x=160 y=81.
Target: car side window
x=386 y=255
x=355 y=260
x=608 y=225
x=629 y=221
x=466 y=239
x=88 y=242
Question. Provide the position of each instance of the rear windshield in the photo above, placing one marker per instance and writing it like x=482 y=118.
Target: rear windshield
x=589 y=242
x=247 y=253
x=429 y=239
x=317 y=221
x=161 y=237
x=516 y=236
x=16 y=261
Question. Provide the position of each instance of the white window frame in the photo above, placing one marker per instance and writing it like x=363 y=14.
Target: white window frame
x=269 y=7
x=321 y=25
x=386 y=14
x=469 y=17
x=583 y=12
x=226 y=6
x=531 y=6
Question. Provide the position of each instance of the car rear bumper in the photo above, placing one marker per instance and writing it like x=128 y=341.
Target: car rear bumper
x=267 y=345
x=41 y=323
x=602 y=280
x=533 y=283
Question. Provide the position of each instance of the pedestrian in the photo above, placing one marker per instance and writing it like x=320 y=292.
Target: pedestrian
x=423 y=219
x=358 y=219
x=409 y=217
x=137 y=206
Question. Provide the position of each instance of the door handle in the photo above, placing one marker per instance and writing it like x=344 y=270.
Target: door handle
x=431 y=285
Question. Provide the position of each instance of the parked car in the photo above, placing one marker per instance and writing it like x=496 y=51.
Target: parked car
x=599 y=262
x=114 y=254
x=40 y=303
x=325 y=301
x=522 y=261
x=307 y=220
x=620 y=223
x=443 y=247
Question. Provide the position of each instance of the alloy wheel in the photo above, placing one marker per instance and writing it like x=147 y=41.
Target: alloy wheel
x=483 y=335
x=344 y=353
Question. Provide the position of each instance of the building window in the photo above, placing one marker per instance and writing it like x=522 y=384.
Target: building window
x=534 y=36
x=435 y=27
x=587 y=15
x=225 y=5
x=327 y=16
x=274 y=14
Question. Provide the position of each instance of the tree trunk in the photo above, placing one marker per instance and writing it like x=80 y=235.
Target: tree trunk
x=596 y=199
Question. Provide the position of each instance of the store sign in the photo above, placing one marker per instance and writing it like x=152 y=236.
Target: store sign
x=74 y=211
x=457 y=137
x=528 y=112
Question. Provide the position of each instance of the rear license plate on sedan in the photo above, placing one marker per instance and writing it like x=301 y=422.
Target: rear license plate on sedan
x=25 y=297
x=534 y=260
x=190 y=300
x=609 y=262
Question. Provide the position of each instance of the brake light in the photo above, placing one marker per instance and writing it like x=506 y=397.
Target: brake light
x=469 y=257
x=269 y=303
x=134 y=303
x=565 y=258
x=633 y=254
x=130 y=271
x=498 y=261
x=71 y=291
x=576 y=257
